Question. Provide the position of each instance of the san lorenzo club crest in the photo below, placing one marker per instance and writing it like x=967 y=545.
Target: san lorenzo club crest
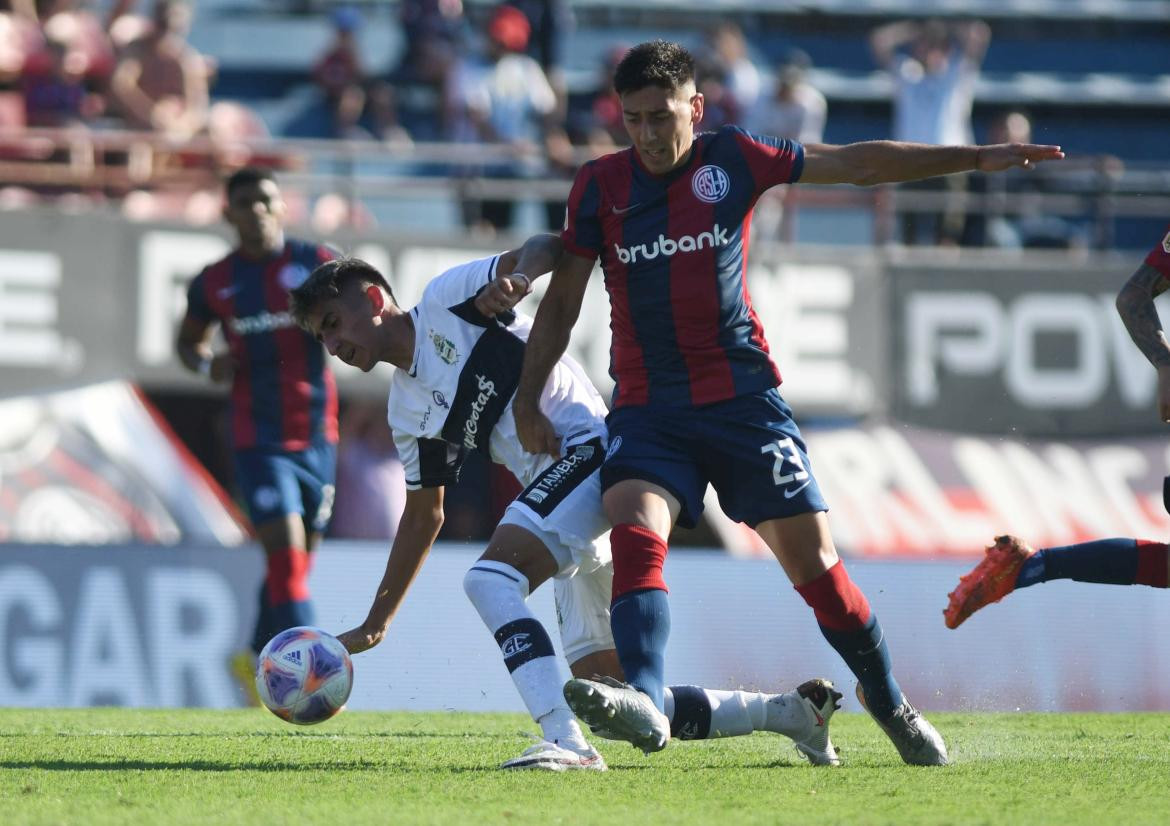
x=292 y=276
x=710 y=184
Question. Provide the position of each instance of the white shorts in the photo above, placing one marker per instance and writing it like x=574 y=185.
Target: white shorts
x=562 y=508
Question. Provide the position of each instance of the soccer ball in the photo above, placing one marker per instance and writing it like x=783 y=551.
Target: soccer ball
x=304 y=675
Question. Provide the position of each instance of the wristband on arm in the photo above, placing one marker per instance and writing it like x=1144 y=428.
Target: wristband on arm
x=527 y=281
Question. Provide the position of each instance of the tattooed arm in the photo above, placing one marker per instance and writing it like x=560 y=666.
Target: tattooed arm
x=1135 y=305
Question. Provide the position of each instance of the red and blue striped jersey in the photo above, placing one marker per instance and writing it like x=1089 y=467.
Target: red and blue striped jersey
x=1159 y=257
x=283 y=394
x=674 y=252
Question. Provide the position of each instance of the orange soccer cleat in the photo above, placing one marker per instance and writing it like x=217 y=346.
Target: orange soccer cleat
x=989 y=581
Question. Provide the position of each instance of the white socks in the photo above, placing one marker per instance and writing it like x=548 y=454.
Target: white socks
x=734 y=713
x=498 y=592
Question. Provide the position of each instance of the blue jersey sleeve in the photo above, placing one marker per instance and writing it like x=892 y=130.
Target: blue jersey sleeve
x=197 y=306
x=582 y=232
x=772 y=160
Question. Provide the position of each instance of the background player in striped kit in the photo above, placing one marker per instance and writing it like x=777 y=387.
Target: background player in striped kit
x=695 y=400
x=283 y=399
x=459 y=352
x=1010 y=563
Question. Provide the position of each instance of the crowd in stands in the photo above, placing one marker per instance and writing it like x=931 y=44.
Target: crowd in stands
x=65 y=68
x=493 y=77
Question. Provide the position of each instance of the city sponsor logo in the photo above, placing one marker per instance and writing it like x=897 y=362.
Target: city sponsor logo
x=667 y=247
x=119 y=630
x=956 y=337
x=31 y=289
x=555 y=476
x=710 y=184
x=515 y=644
x=264 y=322
x=487 y=389
x=444 y=347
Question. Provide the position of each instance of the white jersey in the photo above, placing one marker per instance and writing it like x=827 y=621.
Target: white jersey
x=457 y=394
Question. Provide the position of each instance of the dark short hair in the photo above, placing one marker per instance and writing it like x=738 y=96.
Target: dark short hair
x=248 y=176
x=328 y=281
x=655 y=63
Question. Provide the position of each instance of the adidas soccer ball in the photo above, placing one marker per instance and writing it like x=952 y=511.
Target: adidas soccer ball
x=304 y=675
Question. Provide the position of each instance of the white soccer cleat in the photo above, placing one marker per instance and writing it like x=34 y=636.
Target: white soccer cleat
x=815 y=700
x=617 y=711
x=913 y=736
x=556 y=758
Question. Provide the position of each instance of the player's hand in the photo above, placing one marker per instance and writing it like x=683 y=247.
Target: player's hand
x=223 y=367
x=536 y=431
x=357 y=640
x=1000 y=156
x=502 y=294
x=1164 y=394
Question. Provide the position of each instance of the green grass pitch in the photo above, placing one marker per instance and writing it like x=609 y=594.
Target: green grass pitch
x=120 y=766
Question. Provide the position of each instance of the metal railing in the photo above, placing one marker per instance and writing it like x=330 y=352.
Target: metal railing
x=114 y=163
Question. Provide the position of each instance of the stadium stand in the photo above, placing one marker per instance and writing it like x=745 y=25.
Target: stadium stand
x=1094 y=76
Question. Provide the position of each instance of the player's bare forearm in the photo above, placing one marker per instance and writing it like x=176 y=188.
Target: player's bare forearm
x=546 y=344
x=538 y=255
x=1135 y=305
x=558 y=312
x=421 y=520
x=516 y=271
x=193 y=347
x=880 y=162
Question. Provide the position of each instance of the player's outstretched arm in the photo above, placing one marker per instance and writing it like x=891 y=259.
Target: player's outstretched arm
x=193 y=348
x=515 y=272
x=558 y=312
x=421 y=519
x=1135 y=305
x=882 y=162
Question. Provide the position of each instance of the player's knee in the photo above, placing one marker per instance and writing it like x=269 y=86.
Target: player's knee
x=487 y=584
x=288 y=576
x=638 y=556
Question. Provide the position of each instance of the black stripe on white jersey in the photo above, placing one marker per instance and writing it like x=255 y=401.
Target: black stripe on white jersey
x=487 y=383
x=439 y=463
x=471 y=314
x=561 y=477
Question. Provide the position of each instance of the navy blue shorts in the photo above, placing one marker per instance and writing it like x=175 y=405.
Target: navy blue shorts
x=747 y=448
x=277 y=482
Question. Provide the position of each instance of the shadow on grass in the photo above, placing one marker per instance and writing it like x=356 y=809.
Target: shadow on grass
x=290 y=733
x=236 y=766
